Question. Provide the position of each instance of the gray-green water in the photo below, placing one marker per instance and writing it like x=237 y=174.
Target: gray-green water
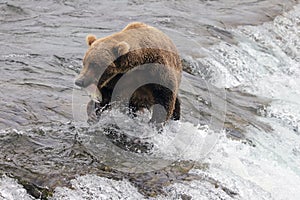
x=228 y=49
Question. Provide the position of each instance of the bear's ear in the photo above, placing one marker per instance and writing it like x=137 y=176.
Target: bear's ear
x=90 y=39
x=121 y=48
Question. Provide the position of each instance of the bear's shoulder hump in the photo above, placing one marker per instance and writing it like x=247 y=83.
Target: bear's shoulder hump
x=135 y=25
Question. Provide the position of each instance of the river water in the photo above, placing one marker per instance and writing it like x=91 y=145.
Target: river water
x=239 y=133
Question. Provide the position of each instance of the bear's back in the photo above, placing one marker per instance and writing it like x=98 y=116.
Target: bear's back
x=142 y=36
x=135 y=25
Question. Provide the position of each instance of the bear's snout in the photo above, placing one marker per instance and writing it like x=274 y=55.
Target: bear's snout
x=79 y=82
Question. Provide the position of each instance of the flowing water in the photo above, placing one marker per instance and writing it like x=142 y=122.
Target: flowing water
x=239 y=133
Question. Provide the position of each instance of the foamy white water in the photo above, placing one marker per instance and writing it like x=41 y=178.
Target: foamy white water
x=11 y=190
x=265 y=62
x=94 y=187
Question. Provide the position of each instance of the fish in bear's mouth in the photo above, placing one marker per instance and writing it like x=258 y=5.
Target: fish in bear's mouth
x=94 y=93
x=90 y=86
x=92 y=89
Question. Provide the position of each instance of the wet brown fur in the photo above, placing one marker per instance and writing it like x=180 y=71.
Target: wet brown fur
x=137 y=44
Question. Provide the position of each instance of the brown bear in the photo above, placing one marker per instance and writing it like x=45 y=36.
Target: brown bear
x=138 y=67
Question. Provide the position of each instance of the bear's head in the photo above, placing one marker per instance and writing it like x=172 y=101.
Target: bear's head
x=98 y=63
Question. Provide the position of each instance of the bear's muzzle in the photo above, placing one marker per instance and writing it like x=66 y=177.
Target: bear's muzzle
x=79 y=82
x=83 y=81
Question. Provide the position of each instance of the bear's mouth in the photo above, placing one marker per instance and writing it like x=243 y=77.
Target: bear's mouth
x=94 y=93
x=93 y=90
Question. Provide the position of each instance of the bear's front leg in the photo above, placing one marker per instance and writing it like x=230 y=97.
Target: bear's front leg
x=165 y=102
x=176 y=112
